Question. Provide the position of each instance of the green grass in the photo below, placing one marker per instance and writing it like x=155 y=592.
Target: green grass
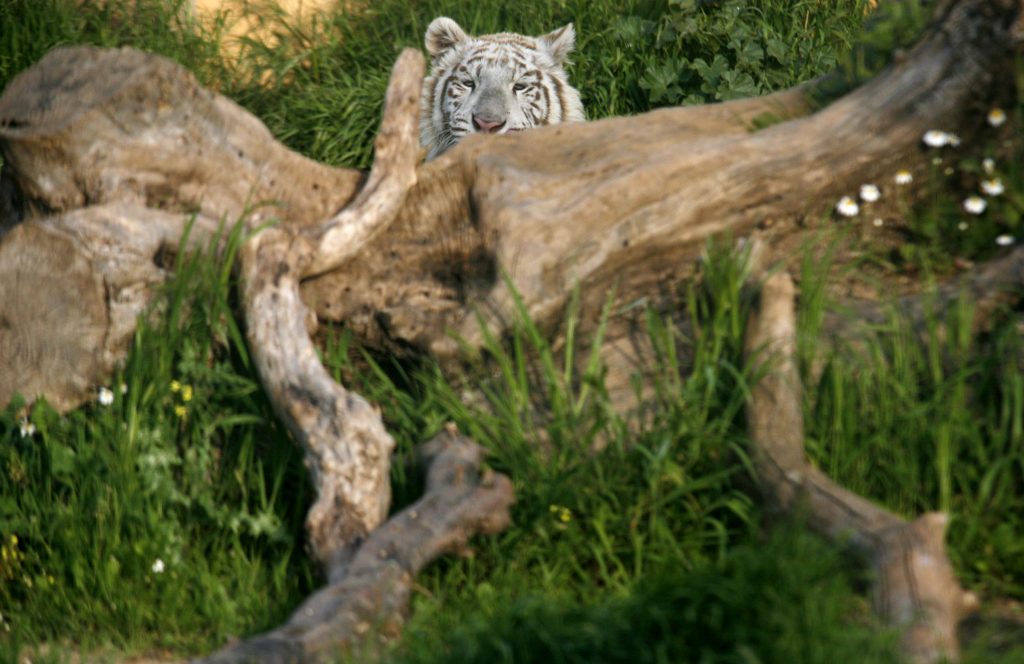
x=186 y=466
x=652 y=549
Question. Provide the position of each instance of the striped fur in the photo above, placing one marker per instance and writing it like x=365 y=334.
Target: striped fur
x=498 y=83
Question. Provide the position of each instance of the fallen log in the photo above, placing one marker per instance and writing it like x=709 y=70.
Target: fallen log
x=624 y=202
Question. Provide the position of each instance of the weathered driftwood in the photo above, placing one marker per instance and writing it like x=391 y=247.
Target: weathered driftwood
x=72 y=287
x=623 y=202
x=915 y=588
x=103 y=147
x=348 y=451
x=368 y=590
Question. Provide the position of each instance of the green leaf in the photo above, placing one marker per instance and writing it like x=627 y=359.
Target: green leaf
x=737 y=84
x=777 y=49
x=62 y=459
x=711 y=73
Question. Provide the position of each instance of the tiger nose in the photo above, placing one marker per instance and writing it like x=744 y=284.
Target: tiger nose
x=487 y=126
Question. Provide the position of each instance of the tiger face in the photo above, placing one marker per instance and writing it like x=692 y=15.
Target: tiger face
x=495 y=84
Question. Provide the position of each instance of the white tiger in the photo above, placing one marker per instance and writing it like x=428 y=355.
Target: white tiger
x=495 y=84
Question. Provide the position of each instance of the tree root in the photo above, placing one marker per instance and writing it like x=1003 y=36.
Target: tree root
x=915 y=588
x=368 y=590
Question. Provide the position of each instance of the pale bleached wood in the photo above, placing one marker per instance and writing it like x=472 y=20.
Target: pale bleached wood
x=914 y=586
x=368 y=594
x=347 y=447
x=396 y=153
x=72 y=287
x=629 y=202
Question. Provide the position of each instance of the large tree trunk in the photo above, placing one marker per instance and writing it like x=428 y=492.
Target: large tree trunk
x=107 y=153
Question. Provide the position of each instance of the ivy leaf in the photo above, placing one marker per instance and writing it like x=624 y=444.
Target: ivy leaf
x=777 y=49
x=711 y=73
x=748 y=53
x=737 y=84
x=662 y=82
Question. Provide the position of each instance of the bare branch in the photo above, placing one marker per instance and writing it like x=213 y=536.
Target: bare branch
x=393 y=174
x=370 y=593
x=915 y=588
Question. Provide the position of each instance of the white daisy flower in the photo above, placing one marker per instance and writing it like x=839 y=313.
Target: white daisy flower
x=903 y=176
x=993 y=187
x=975 y=204
x=996 y=117
x=26 y=428
x=935 y=138
x=1005 y=240
x=988 y=164
x=948 y=170
x=106 y=396
x=124 y=388
x=936 y=161
x=869 y=193
x=962 y=226
x=847 y=207
x=878 y=222
x=158 y=566
x=953 y=140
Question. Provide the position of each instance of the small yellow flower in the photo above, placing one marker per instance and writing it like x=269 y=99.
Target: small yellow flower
x=180 y=411
x=175 y=386
x=186 y=393
x=563 y=514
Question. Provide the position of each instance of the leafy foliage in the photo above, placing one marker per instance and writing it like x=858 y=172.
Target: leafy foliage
x=701 y=51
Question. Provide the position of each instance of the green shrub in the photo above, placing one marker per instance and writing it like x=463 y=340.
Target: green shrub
x=702 y=51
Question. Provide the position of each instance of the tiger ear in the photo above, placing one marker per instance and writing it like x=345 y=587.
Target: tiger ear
x=442 y=34
x=560 y=42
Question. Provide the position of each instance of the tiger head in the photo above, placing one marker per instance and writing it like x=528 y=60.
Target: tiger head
x=494 y=84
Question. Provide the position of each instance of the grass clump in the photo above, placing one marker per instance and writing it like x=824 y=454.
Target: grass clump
x=170 y=517
x=786 y=599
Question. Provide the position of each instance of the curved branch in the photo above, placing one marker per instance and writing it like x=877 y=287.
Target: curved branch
x=347 y=448
x=397 y=151
x=371 y=593
x=915 y=588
